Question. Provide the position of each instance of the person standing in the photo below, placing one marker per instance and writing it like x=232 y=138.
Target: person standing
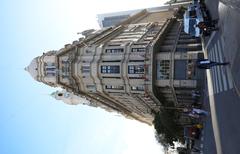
x=207 y=64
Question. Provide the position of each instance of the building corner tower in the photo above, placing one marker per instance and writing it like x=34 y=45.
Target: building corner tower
x=126 y=67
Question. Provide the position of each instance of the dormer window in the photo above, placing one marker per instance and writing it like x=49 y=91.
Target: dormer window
x=50 y=69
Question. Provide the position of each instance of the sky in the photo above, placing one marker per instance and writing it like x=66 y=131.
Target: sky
x=32 y=122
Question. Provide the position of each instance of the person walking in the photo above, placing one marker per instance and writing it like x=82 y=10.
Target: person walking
x=195 y=94
x=199 y=112
x=207 y=64
x=195 y=113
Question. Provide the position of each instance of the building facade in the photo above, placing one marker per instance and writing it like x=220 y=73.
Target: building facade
x=113 y=19
x=128 y=68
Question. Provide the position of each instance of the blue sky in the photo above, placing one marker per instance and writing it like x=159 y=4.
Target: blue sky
x=31 y=121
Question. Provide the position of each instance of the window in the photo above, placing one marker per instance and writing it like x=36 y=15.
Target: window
x=65 y=61
x=136 y=77
x=50 y=66
x=65 y=72
x=50 y=73
x=180 y=49
x=110 y=69
x=88 y=51
x=65 y=68
x=138 y=88
x=110 y=77
x=85 y=69
x=91 y=88
x=114 y=45
x=50 y=69
x=163 y=69
x=111 y=61
x=137 y=60
x=138 y=49
x=136 y=69
x=115 y=87
x=119 y=50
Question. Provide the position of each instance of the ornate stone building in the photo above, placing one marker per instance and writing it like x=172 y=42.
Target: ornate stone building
x=127 y=68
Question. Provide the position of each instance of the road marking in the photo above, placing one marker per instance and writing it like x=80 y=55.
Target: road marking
x=219 y=54
x=218 y=69
x=229 y=75
x=211 y=71
x=215 y=77
x=210 y=39
x=222 y=42
x=202 y=138
x=221 y=60
x=228 y=72
x=201 y=145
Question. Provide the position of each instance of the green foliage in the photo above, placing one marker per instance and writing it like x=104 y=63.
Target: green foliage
x=171 y=1
x=167 y=130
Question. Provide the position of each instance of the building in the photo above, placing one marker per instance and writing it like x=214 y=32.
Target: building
x=129 y=68
x=113 y=19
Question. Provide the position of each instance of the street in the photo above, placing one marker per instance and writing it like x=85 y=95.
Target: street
x=223 y=81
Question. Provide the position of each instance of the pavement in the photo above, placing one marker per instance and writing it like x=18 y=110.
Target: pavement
x=233 y=4
x=223 y=92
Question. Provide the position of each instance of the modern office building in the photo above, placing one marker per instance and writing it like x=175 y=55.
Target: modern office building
x=129 y=68
x=113 y=19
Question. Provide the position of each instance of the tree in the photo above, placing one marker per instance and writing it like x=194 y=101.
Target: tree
x=180 y=12
x=167 y=130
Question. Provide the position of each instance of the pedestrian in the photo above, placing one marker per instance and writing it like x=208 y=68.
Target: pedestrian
x=195 y=113
x=195 y=95
x=210 y=25
x=199 y=112
x=200 y=126
x=195 y=91
x=207 y=64
x=196 y=105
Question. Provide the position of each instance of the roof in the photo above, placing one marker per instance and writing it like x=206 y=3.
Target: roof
x=32 y=68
